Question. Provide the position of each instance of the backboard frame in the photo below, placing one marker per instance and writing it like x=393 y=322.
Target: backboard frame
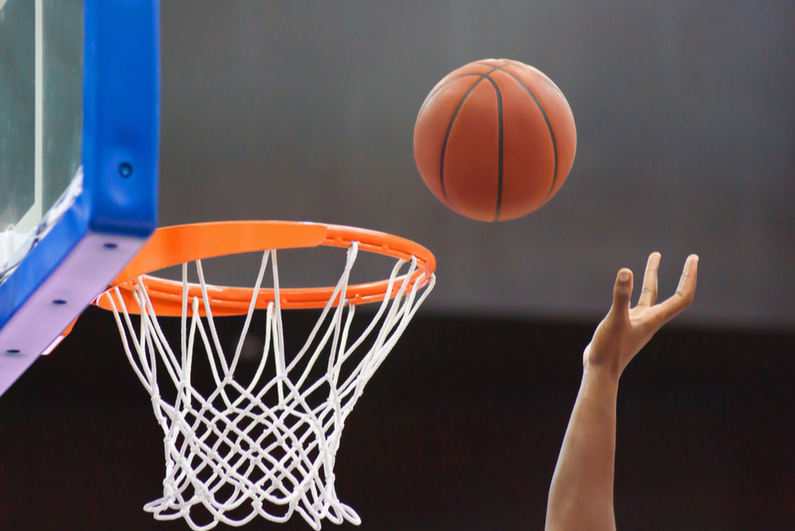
x=116 y=211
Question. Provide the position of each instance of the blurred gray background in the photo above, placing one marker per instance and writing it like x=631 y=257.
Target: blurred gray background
x=685 y=112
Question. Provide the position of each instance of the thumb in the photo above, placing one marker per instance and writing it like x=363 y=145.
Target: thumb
x=622 y=291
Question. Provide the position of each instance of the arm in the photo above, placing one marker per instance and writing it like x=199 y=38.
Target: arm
x=581 y=494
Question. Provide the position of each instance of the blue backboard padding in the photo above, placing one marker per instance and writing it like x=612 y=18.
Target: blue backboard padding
x=44 y=259
x=121 y=114
x=121 y=117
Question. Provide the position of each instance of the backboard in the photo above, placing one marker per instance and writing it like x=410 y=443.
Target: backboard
x=79 y=136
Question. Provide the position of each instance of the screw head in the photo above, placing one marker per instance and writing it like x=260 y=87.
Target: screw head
x=125 y=169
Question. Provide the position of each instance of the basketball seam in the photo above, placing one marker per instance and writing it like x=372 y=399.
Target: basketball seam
x=549 y=126
x=500 y=144
x=495 y=67
x=433 y=94
x=536 y=73
x=450 y=127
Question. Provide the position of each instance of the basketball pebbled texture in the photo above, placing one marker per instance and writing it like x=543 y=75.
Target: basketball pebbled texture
x=495 y=140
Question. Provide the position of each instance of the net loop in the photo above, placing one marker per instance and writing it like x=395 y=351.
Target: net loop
x=266 y=448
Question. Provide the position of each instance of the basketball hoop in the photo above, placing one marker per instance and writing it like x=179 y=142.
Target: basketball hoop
x=266 y=447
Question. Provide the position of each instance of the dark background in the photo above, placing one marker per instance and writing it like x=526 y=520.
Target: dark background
x=459 y=430
x=304 y=110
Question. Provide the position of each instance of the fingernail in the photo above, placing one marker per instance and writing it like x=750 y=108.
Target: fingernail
x=623 y=277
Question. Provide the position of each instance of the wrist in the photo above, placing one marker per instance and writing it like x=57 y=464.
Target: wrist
x=599 y=388
x=601 y=372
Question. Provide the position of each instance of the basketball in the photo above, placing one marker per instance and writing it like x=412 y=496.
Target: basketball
x=495 y=140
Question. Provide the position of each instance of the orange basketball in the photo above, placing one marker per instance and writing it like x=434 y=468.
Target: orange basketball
x=495 y=140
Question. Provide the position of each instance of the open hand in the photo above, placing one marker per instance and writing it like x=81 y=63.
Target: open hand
x=621 y=335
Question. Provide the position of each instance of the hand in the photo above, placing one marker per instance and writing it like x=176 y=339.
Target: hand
x=621 y=335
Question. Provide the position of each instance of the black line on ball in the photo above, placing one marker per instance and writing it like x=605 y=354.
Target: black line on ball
x=449 y=129
x=433 y=94
x=499 y=158
x=530 y=70
x=549 y=126
x=495 y=67
x=430 y=97
x=450 y=125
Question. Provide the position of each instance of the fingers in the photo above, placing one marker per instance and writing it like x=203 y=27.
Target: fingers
x=622 y=291
x=648 y=295
x=684 y=293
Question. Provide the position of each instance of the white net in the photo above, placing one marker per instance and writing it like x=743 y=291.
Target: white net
x=265 y=447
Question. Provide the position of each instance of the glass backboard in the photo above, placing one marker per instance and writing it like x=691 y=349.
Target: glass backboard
x=41 y=114
x=79 y=133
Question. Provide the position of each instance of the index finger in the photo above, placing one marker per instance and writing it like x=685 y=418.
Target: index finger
x=683 y=297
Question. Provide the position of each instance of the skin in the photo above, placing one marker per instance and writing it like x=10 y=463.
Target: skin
x=581 y=493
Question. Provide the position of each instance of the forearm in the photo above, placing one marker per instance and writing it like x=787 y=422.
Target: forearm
x=581 y=494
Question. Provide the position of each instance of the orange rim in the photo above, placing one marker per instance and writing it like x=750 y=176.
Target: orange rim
x=171 y=246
